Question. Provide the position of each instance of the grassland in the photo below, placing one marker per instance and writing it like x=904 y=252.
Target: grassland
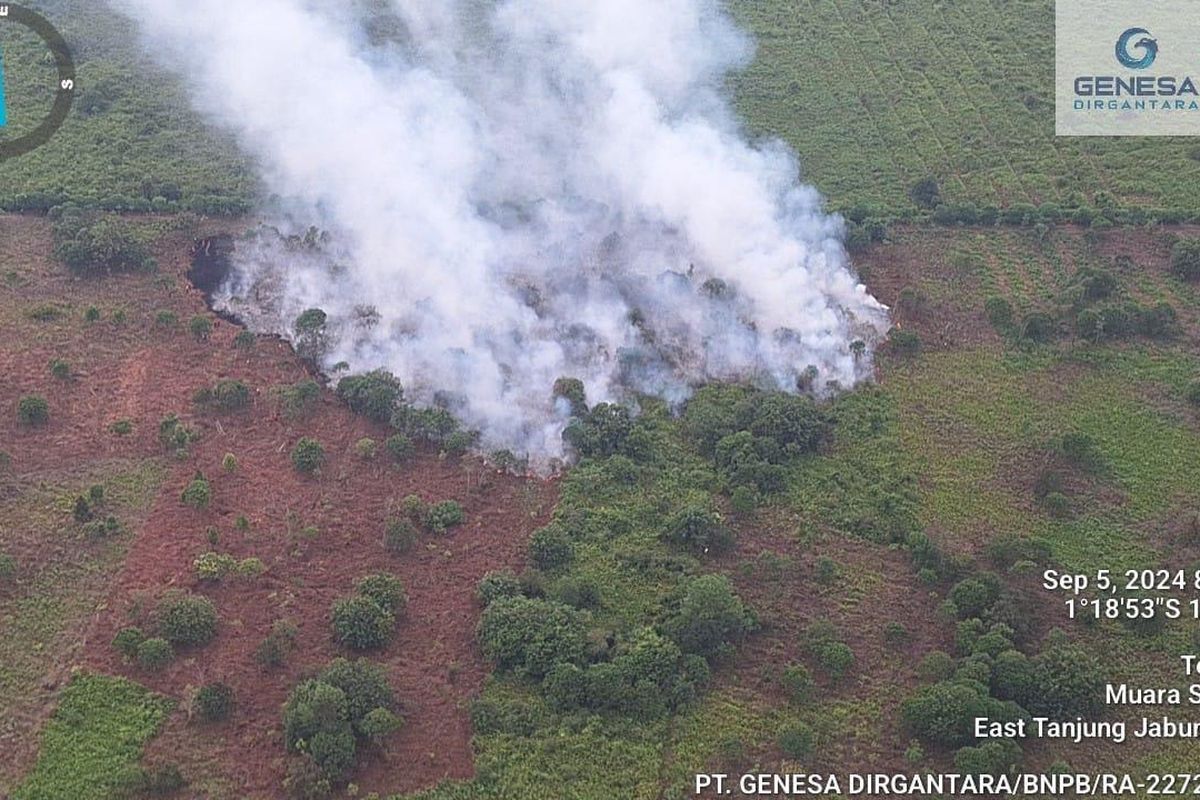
x=875 y=96
x=94 y=741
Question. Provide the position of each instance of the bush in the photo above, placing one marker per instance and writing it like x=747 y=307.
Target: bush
x=378 y=724
x=33 y=410
x=375 y=394
x=835 y=658
x=244 y=340
x=366 y=448
x=743 y=500
x=228 y=395
x=531 y=636
x=60 y=369
x=578 y=593
x=360 y=623
x=699 y=530
x=400 y=447
x=214 y=701
x=1038 y=326
x=549 y=548
x=154 y=654
x=298 y=399
x=904 y=343
x=187 y=619
x=999 y=312
x=311 y=337
x=1185 y=259
x=88 y=245
x=274 y=649
x=200 y=327
x=308 y=455
x=122 y=427
x=797 y=682
x=174 y=435
x=166 y=319
x=796 y=740
x=1192 y=393
x=601 y=432
x=127 y=641
x=363 y=684
x=214 y=566
x=571 y=391
x=498 y=584
x=441 y=516
x=399 y=536
x=925 y=193
x=990 y=758
x=229 y=463
x=974 y=596
x=386 y=590
x=944 y=713
x=198 y=493
x=708 y=616
x=157 y=781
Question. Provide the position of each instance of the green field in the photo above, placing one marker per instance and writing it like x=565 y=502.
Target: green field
x=1076 y=451
x=875 y=96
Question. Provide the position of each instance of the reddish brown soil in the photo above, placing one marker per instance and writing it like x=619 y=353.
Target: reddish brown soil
x=141 y=373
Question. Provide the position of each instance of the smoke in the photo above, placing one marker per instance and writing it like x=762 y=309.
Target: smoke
x=516 y=190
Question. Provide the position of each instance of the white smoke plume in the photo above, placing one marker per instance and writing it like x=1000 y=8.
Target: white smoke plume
x=518 y=190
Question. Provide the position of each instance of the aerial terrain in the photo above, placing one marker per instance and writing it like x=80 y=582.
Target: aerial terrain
x=205 y=536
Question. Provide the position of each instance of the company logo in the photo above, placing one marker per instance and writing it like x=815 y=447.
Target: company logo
x=3 y=105
x=1147 y=46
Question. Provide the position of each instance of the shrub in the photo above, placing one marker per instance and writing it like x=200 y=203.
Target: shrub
x=200 y=327
x=1038 y=326
x=154 y=654
x=187 y=619
x=89 y=245
x=214 y=566
x=441 y=516
x=60 y=369
x=92 y=314
x=904 y=342
x=796 y=740
x=1081 y=451
x=228 y=395
x=229 y=463
x=385 y=589
x=601 y=432
x=835 y=658
x=895 y=634
x=275 y=648
x=708 y=616
x=127 y=641
x=973 y=596
x=122 y=427
x=1185 y=259
x=571 y=391
x=166 y=319
x=363 y=684
x=989 y=758
x=308 y=455
x=1057 y=505
x=378 y=724
x=375 y=394
x=999 y=312
x=531 y=636
x=311 y=337
x=925 y=193
x=797 y=682
x=743 y=500
x=366 y=448
x=549 y=548
x=1192 y=393
x=943 y=713
x=174 y=435
x=244 y=340
x=497 y=584
x=158 y=781
x=578 y=592
x=198 y=493
x=699 y=530
x=399 y=536
x=214 y=701
x=400 y=447
x=827 y=570
x=33 y=410
x=360 y=623
x=298 y=399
